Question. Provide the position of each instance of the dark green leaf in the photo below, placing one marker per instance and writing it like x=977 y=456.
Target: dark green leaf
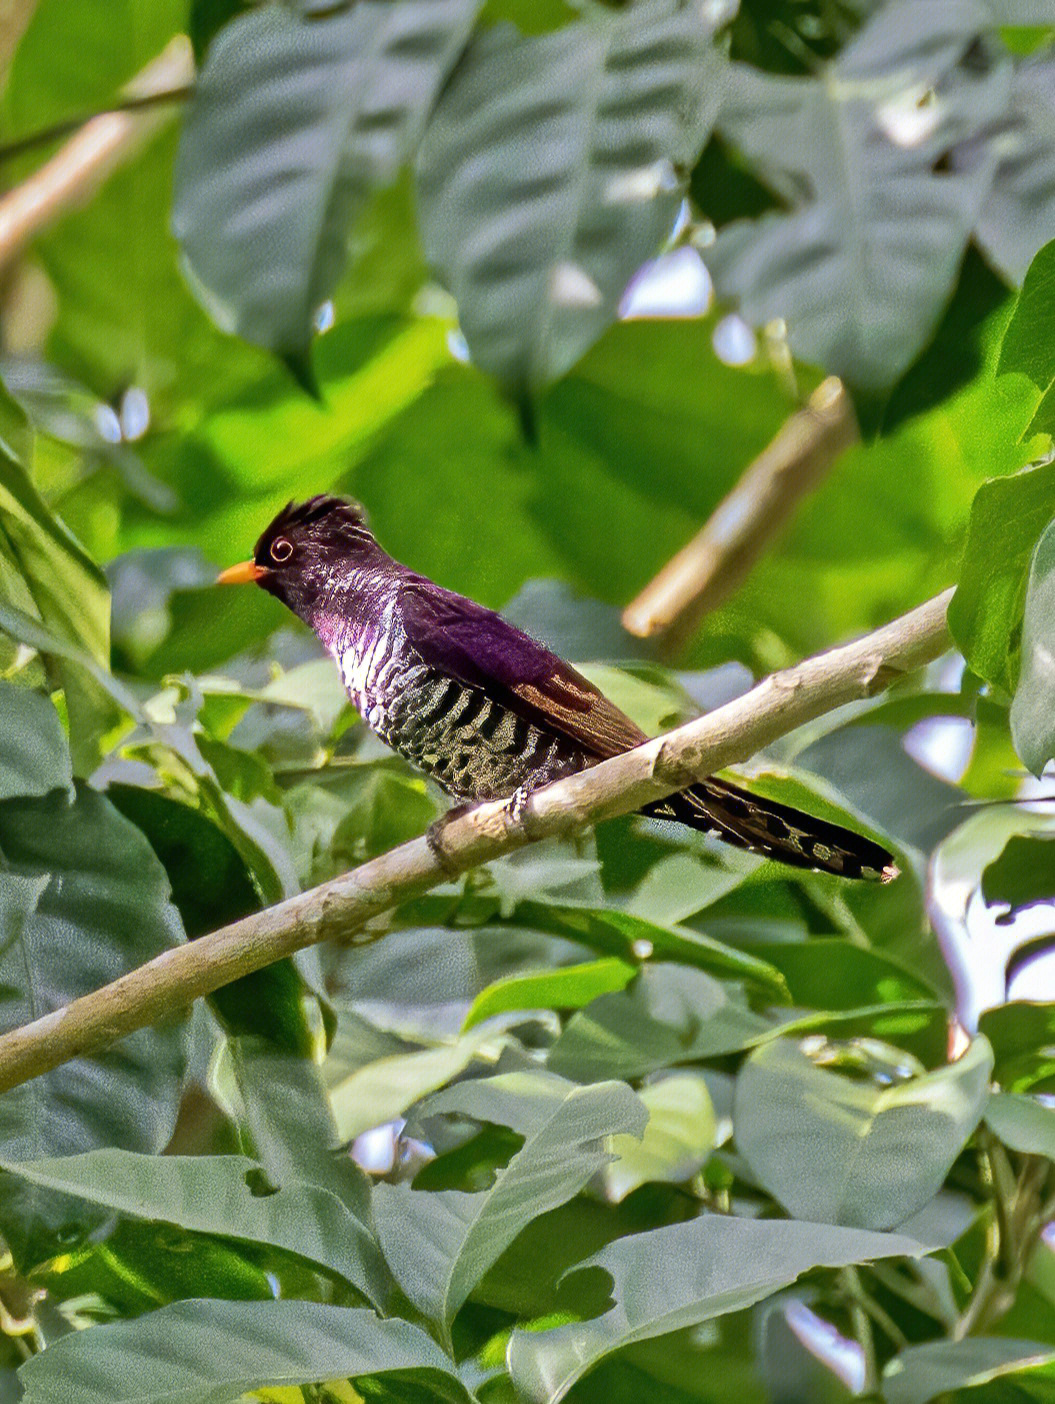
x=212 y=887
x=209 y=1352
x=1023 y=1038
x=295 y=123
x=862 y=264
x=543 y=189
x=1033 y=707
x=34 y=755
x=1023 y=875
x=849 y=1149
x=83 y=900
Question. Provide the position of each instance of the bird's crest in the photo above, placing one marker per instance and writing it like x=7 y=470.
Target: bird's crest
x=322 y=516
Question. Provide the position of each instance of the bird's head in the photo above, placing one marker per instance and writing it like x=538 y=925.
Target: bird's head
x=310 y=551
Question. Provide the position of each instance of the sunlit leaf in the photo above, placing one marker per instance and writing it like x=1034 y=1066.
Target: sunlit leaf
x=1033 y=706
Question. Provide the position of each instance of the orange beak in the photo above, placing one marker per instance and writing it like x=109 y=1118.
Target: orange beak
x=242 y=573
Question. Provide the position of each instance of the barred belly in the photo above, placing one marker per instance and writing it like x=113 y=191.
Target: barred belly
x=471 y=745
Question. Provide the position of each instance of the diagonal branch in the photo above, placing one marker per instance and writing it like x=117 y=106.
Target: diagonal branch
x=720 y=555
x=781 y=702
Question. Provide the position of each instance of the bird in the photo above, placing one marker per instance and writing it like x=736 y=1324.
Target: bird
x=479 y=705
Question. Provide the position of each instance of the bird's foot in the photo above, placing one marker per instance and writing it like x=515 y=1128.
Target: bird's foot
x=516 y=804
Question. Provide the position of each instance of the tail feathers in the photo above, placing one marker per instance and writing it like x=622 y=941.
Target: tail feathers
x=776 y=831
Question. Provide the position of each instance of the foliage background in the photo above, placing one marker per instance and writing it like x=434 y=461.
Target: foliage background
x=634 y=1113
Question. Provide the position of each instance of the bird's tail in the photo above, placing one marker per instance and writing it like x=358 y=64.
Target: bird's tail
x=775 y=831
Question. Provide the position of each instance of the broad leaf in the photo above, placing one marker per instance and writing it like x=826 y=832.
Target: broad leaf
x=211 y=886
x=1023 y=875
x=440 y=1243
x=210 y=1352
x=682 y=1131
x=1033 y=706
x=864 y=261
x=569 y=987
x=1026 y=347
x=678 y=1276
x=922 y=1372
x=1022 y=1123
x=1019 y=211
x=83 y=900
x=848 y=1149
x=1007 y=517
x=295 y=123
x=56 y=579
x=543 y=189
x=220 y=1194
x=34 y=755
x=670 y=1014
x=1023 y=1038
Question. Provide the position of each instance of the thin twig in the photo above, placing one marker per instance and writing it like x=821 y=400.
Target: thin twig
x=341 y=908
x=44 y=136
x=84 y=162
x=712 y=565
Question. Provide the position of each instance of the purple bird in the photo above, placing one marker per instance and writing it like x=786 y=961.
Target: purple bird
x=479 y=705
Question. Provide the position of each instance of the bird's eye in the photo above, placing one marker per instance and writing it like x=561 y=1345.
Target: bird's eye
x=281 y=549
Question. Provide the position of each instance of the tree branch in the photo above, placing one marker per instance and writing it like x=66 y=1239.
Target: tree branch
x=717 y=559
x=340 y=908
x=79 y=167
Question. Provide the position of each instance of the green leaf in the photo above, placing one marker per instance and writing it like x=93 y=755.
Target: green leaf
x=681 y=1133
x=384 y=1087
x=1022 y=1123
x=209 y=1352
x=544 y=189
x=1033 y=706
x=440 y=1243
x=841 y=1149
x=34 y=755
x=921 y=1372
x=569 y=987
x=69 y=593
x=679 y=1276
x=284 y=1112
x=1016 y=218
x=1007 y=517
x=670 y=1014
x=1026 y=347
x=611 y=932
x=1023 y=1038
x=82 y=901
x=212 y=887
x=863 y=262
x=45 y=87
x=1023 y=875
x=294 y=125
x=220 y=1194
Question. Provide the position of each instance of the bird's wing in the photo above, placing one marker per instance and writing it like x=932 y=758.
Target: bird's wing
x=479 y=648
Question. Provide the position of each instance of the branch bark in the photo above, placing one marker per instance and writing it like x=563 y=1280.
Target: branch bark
x=83 y=163
x=340 y=908
x=716 y=560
